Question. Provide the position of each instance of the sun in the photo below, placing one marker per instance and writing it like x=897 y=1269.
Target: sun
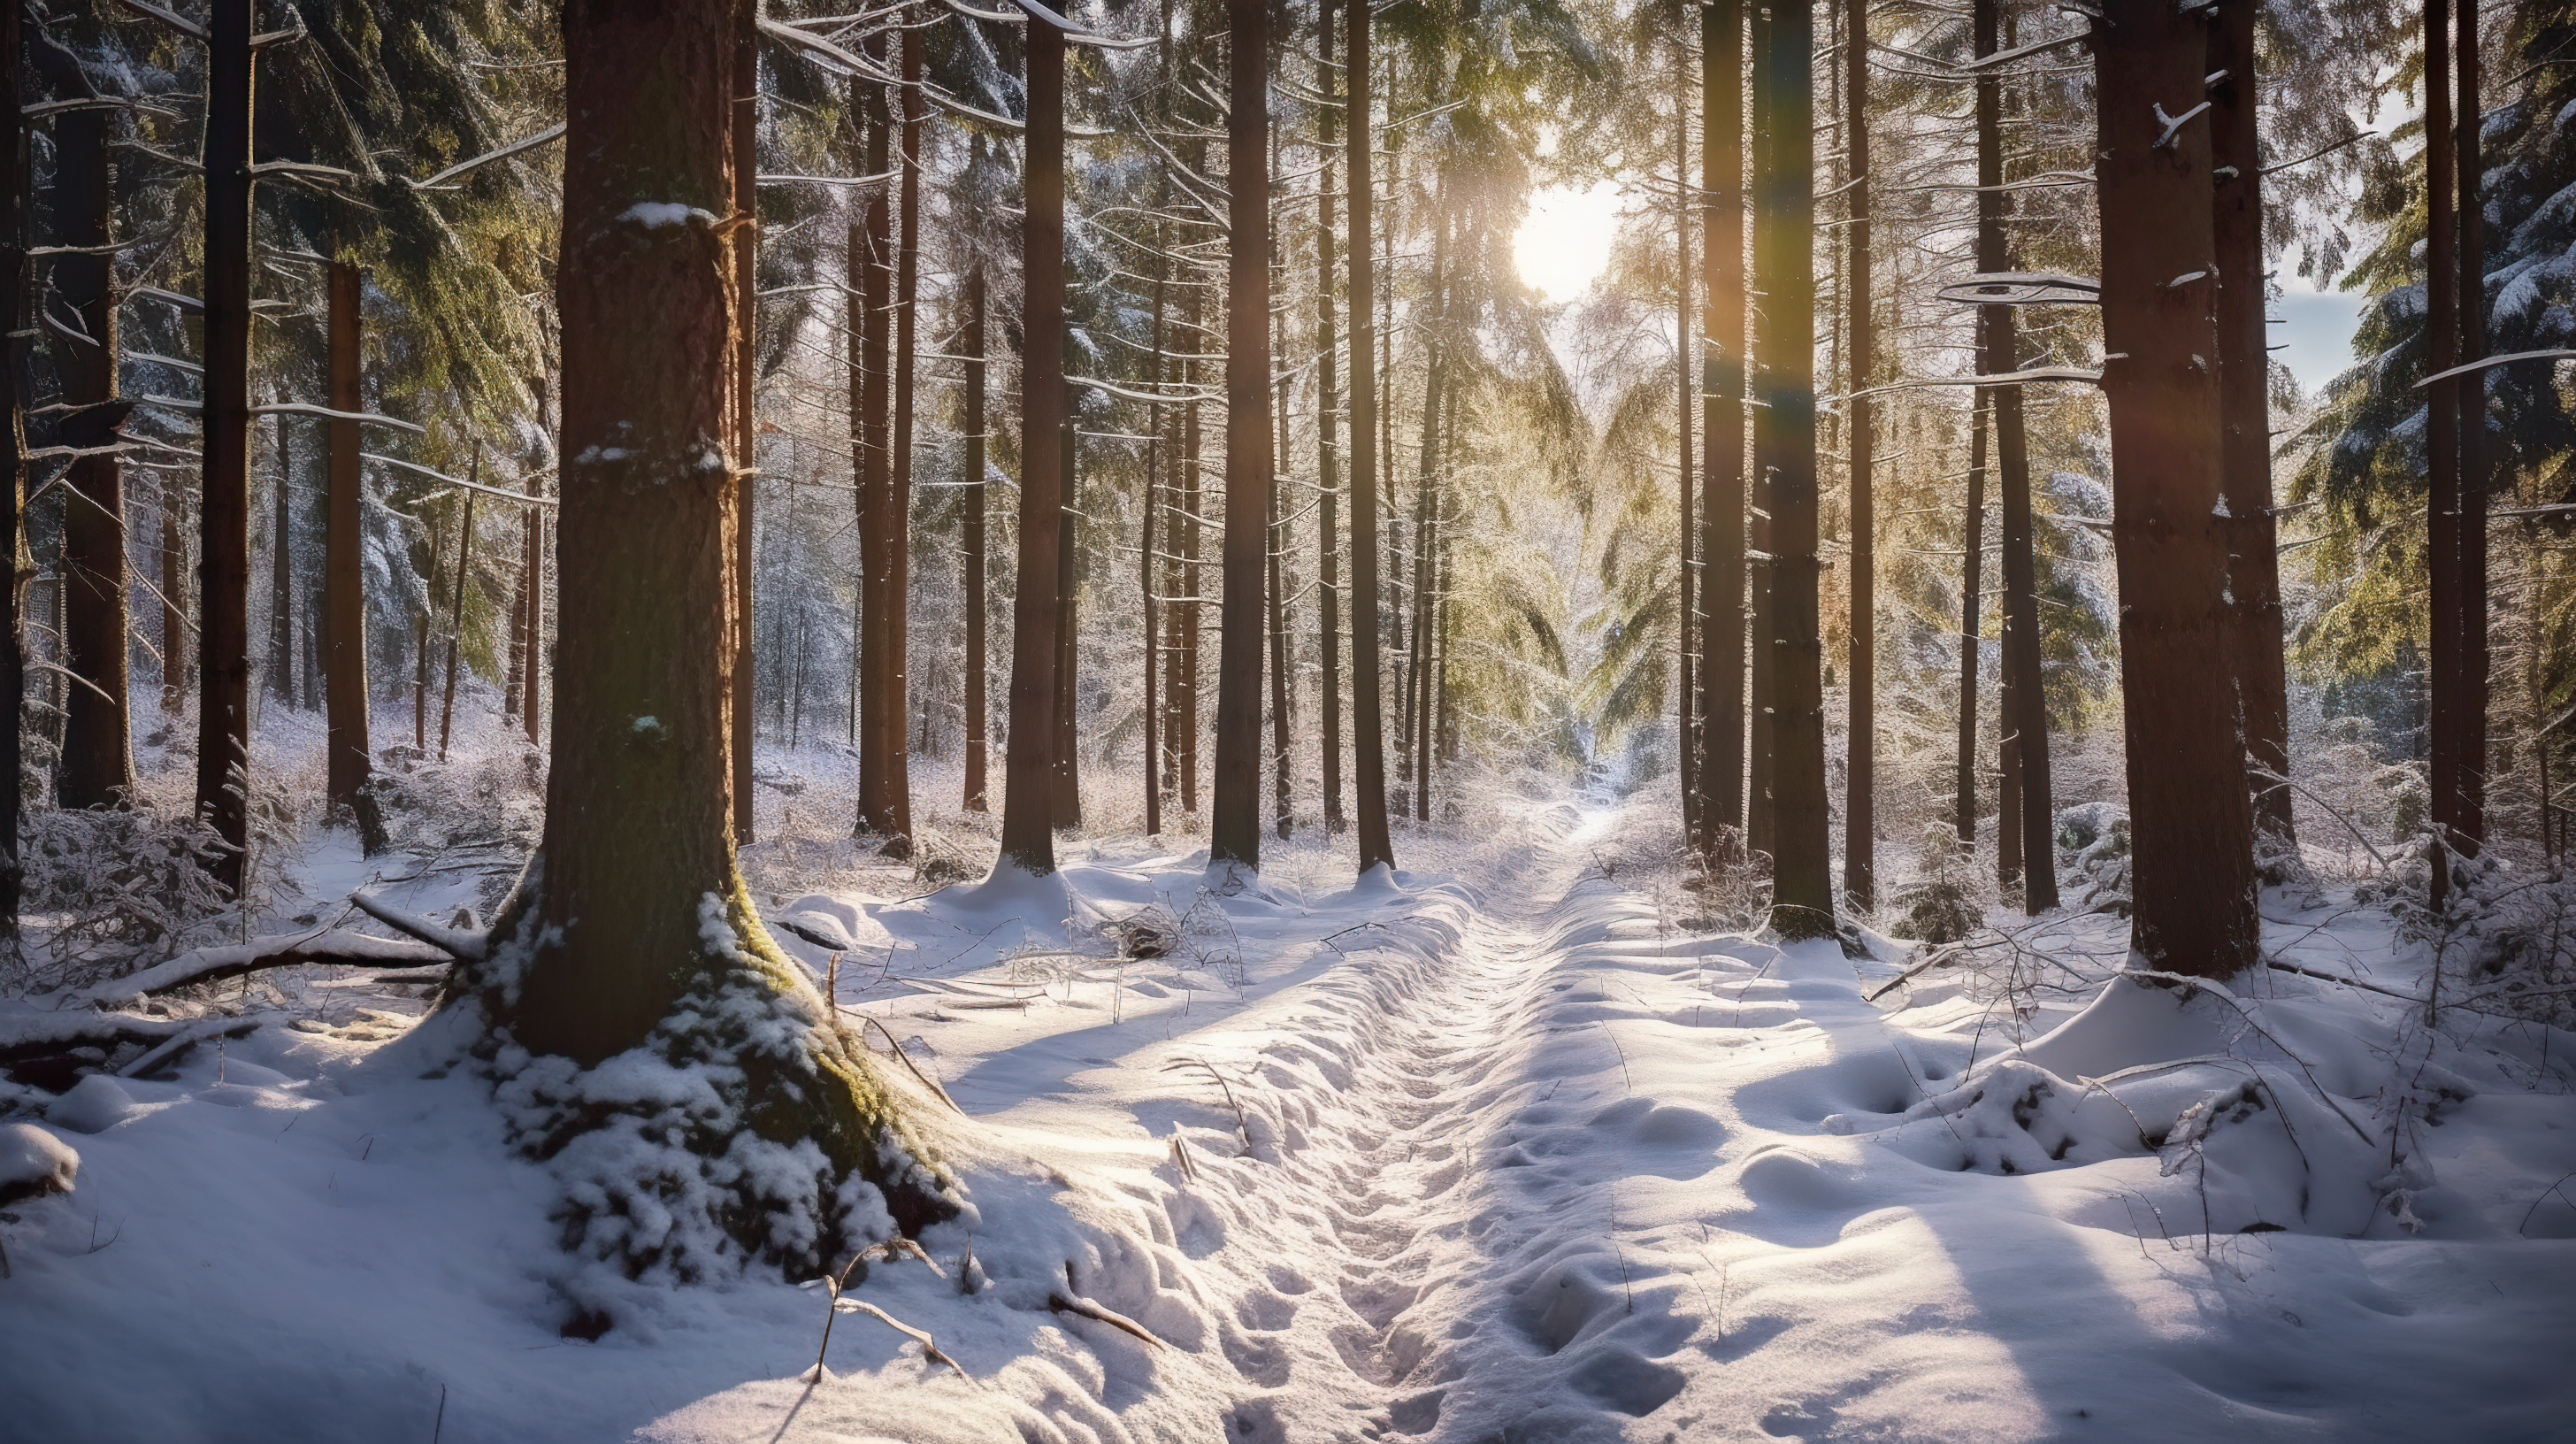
x=1565 y=242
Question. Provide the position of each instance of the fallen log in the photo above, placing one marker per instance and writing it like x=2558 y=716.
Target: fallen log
x=207 y=965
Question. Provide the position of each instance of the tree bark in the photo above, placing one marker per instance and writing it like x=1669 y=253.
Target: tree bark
x=281 y=572
x=421 y=643
x=1283 y=757
x=456 y=608
x=2027 y=822
x=1690 y=628
x=975 y=526
x=1028 y=831
x=97 y=767
x=1328 y=418
x=1234 y=830
x=1802 y=863
x=1067 y=772
x=1860 y=809
x=174 y=595
x=2262 y=683
x=882 y=713
x=1182 y=703
x=1275 y=575
x=2441 y=444
x=1722 y=422
x=1368 y=719
x=531 y=711
x=1148 y=559
x=2193 y=880
x=2469 y=172
x=744 y=139
x=1761 y=570
x=13 y=458
x=223 y=561
x=898 y=787
x=1435 y=375
x=1972 y=584
x=636 y=932
x=348 y=750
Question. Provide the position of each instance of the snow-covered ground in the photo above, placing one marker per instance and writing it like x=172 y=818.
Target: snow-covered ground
x=1495 y=1153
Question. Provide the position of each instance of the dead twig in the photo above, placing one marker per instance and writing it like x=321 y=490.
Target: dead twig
x=897 y=1049
x=1082 y=1308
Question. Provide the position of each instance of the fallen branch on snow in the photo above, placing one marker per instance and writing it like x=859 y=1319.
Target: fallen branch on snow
x=207 y=965
x=38 y=1047
x=457 y=943
x=1081 y=1308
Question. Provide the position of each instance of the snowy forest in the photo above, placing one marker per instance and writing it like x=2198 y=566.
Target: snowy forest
x=1502 y=721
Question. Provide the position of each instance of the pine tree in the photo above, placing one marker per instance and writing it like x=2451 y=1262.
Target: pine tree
x=634 y=931
x=2193 y=869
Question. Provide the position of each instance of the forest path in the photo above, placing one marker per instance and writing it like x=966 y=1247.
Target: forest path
x=1457 y=1115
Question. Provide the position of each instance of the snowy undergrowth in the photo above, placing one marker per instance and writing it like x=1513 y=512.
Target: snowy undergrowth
x=1497 y=1149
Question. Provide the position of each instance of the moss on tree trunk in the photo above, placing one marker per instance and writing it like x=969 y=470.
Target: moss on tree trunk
x=682 y=1076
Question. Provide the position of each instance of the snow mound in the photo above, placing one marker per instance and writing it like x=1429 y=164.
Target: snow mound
x=34 y=1163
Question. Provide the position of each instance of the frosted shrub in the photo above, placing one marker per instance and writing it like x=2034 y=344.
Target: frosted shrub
x=2094 y=838
x=1941 y=905
x=492 y=799
x=110 y=886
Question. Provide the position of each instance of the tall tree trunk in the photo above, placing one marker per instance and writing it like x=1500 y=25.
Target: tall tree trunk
x=638 y=932
x=2475 y=659
x=894 y=799
x=1691 y=628
x=1722 y=420
x=882 y=713
x=1997 y=346
x=514 y=648
x=281 y=572
x=2244 y=386
x=1802 y=862
x=1860 y=805
x=223 y=561
x=1068 y=629
x=2032 y=823
x=2193 y=842
x=13 y=458
x=1149 y=563
x=856 y=362
x=1283 y=756
x=1426 y=527
x=420 y=642
x=974 y=527
x=1417 y=674
x=1368 y=711
x=531 y=711
x=456 y=610
x=744 y=140
x=1183 y=719
x=1028 y=830
x=2441 y=443
x=1762 y=571
x=1234 y=831
x=1972 y=582
x=312 y=630
x=1328 y=418
x=97 y=766
x=174 y=594
x=348 y=749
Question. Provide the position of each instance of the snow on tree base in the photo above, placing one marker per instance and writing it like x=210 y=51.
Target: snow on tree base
x=744 y=1130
